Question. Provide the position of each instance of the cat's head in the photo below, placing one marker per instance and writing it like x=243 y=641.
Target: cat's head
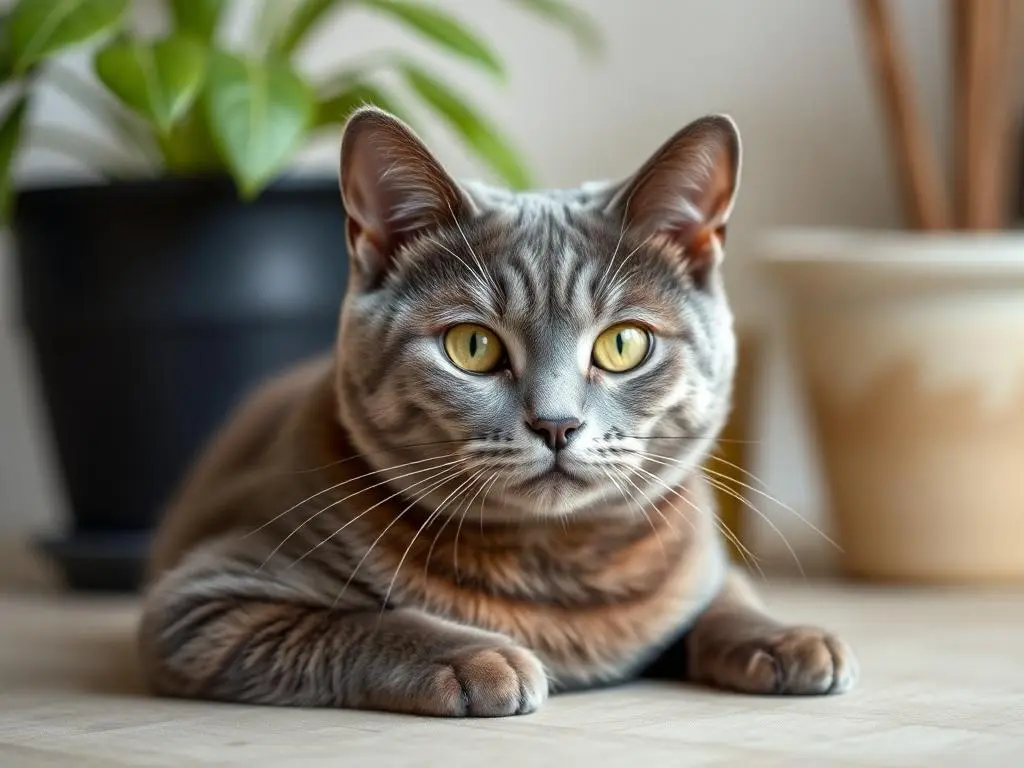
x=550 y=352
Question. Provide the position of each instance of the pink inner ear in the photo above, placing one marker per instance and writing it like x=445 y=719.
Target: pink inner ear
x=685 y=192
x=393 y=189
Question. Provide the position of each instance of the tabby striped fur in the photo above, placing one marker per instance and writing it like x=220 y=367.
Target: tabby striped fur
x=379 y=529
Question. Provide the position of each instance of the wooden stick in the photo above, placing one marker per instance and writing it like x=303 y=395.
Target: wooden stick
x=977 y=110
x=920 y=178
x=958 y=22
x=994 y=153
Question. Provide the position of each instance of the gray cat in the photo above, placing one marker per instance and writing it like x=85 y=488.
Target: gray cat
x=492 y=489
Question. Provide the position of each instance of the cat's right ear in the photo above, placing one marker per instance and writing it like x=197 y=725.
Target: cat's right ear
x=393 y=189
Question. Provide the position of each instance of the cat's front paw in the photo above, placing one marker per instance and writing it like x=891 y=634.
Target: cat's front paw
x=485 y=682
x=787 y=660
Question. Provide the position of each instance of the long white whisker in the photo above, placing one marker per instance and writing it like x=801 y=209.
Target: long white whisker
x=430 y=518
x=770 y=498
x=452 y=473
x=292 y=508
x=669 y=461
x=746 y=502
x=623 y=263
x=486 y=487
x=437 y=483
x=749 y=557
x=448 y=519
x=335 y=503
x=639 y=506
x=476 y=258
x=615 y=253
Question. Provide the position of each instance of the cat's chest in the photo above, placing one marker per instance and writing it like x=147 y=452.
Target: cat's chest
x=593 y=641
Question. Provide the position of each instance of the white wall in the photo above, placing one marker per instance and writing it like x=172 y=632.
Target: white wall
x=792 y=72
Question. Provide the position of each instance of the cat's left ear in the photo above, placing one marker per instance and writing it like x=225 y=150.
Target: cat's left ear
x=683 y=195
x=393 y=190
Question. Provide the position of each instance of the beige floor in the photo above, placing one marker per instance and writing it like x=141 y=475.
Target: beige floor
x=943 y=684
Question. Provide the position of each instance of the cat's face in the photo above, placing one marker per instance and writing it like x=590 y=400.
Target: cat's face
x=535 y=354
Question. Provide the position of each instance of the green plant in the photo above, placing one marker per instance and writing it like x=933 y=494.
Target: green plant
x=192 y=104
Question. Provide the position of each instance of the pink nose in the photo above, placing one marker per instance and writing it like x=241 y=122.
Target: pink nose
x=556 y=433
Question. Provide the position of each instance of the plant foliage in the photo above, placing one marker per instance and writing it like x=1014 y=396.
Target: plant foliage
x=190 y=103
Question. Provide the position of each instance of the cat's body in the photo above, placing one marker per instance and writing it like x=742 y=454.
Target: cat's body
x=482 y=495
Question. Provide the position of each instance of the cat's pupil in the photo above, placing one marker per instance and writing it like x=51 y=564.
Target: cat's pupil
x=473 y=345
x=619 y=342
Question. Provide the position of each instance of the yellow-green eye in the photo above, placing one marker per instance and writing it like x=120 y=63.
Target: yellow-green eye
x=621 y=348
x=474 y=348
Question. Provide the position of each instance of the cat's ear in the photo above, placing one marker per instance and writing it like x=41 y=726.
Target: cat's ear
x=393 y=189
x=682 y=196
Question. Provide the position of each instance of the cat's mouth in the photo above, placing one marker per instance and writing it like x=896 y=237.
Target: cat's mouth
x=558 y=475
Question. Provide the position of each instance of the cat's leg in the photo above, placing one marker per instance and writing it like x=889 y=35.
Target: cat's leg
x=213 y=636
x=735 y=644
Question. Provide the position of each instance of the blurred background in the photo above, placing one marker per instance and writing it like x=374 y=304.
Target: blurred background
x=795 y=74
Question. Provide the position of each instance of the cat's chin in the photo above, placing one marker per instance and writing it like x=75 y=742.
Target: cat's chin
x=556 y=493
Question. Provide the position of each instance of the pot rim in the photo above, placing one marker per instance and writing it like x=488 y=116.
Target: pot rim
x=894 y=251
x=158 y=184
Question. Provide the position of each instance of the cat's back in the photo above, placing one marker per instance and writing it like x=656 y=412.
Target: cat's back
x=250 y=444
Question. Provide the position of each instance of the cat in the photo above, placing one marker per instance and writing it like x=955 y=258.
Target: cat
x=491 y=490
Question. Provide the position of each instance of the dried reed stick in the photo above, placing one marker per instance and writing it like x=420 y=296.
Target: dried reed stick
x=993 y=155
x=959 y=44
x=978 y=87
x=919 y=171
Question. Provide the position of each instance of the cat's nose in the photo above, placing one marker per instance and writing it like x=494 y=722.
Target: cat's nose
x=556 y=433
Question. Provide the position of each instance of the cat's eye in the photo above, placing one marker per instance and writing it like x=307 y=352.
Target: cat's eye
x=474 y=348
x=622 y=347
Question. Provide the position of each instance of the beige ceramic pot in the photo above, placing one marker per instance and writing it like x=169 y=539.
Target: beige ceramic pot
x=910 y=350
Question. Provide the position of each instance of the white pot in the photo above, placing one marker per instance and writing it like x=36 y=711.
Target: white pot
x=910 y=349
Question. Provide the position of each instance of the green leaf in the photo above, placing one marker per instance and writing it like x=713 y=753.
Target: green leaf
x=335 y=109
x=40 y=27
x=443 y=29
x=10 y=138
x=571 y=18
x=197 y=17
x=305 y=16
x=6 y=58
x=258 y=114
x=479 y=135
x=189 y=148
x=158 y=80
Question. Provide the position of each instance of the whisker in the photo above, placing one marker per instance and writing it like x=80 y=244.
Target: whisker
x=691 y=437
x=334 y=487
x=770 y=498
x=621 y=281
x=676 y=462
x=476 y=258
x=488 y=484
x=639 y=506
x=364 y=454
x=644 y=493
x=426 y=523
x=448 y=519
x=483 y=283
x=615 y=253
x=753 y=508
x=436 y=484
x=668 y=461
x=622 y=474
x=748 y=557
x=451 y=472
x=335 y=503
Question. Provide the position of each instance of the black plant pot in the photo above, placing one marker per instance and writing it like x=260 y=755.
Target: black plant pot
x=151 y=308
